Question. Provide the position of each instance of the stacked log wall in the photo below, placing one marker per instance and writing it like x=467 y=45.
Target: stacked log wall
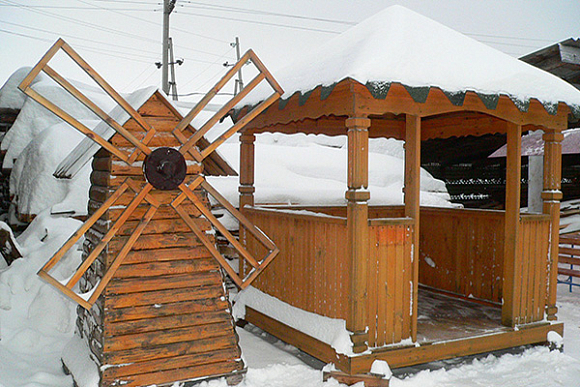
x=165 y=315
x=7 y=118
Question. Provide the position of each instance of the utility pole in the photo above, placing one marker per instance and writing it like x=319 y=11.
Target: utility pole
x=239 y=85
x=172 y=84
x=239 y=81
x=168 y=6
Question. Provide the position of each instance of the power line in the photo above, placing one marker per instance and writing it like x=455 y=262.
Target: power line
x=152 y=57
x=261 y=23
x=105 y=29
x=151 y=22
x=208 y=67
x=199 y=5
x=149 y=67
x=25 y=35
x=86 y=24
x=174 y=28
x=84 y=47
x=65 y=7
x=126 y=2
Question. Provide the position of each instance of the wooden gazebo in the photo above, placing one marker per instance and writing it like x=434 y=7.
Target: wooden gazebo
x=365 y=264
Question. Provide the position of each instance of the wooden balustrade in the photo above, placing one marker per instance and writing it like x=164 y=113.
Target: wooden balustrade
x=530 y=279
x=461 y=251
x=311 y=271
x=390 y=281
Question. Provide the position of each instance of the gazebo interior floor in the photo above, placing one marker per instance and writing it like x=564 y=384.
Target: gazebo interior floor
x=443 y=317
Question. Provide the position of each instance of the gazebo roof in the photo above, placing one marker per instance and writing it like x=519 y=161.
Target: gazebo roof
x=400 y=46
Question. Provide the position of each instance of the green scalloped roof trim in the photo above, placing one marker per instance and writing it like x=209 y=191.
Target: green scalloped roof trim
x=551 y=108
x=378 y=89
x=236 y=113
x=283 y=102
x=489 y=100
x=303 y=97
x=326 y=90
x=455 y=97
x=418 y=93
x=522 y=105
x=575 y=109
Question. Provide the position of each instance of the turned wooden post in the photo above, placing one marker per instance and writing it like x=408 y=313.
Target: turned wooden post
x=246 y=188
x=512 y=221
x=412 y=200
x=552 y=195
x=357 y=197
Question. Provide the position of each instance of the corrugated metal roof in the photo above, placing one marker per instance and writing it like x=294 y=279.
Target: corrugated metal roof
x=533 y=144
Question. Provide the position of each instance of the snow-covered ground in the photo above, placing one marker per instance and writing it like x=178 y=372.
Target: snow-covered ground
x=36 y=324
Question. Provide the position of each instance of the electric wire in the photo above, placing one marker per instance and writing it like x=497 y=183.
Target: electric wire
x=199 y=5
x=84 y=47
x=259 y=22
x=173 y=28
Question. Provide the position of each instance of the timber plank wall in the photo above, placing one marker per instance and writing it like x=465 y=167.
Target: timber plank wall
x=165 y=315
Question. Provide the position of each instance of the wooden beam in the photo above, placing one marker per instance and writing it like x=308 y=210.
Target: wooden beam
x=300 y=340
x=411 y=355
x=357 y=197
x=512 y=220
x=412 y=201
x=552 y=195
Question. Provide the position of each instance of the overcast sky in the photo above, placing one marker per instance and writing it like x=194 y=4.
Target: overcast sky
x=121 y=39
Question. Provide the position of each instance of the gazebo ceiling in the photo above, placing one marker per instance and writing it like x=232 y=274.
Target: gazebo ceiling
x=400 y=62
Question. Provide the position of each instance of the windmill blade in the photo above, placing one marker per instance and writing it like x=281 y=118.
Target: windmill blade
x=43 y=66
x=87 y=300
x=257 y=266
x=263 y=74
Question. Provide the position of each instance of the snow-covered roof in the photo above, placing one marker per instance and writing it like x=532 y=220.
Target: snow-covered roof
x=87 y=148
x=398 y=45
x=533 y=144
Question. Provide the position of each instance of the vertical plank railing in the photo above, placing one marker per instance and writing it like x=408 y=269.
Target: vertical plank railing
x=311 y=272
x=390 y=281
x=530 y=283
x=461 y=251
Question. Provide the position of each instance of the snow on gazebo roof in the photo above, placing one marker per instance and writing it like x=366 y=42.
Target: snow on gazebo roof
x=398 y=45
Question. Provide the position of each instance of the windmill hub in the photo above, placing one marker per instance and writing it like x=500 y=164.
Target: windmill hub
x=165 y=168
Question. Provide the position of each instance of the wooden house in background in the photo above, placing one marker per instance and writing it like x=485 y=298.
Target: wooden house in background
x=413 y=284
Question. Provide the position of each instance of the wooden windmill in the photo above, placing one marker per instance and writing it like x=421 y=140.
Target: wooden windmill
x=154 y=309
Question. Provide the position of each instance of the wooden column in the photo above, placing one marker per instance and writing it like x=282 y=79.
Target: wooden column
x=357 y=197
x=412 y=200
x=246 y=188
x=512 y=221
x=552 y=195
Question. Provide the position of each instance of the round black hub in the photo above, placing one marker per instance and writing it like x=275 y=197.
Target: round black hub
x=165 y=168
